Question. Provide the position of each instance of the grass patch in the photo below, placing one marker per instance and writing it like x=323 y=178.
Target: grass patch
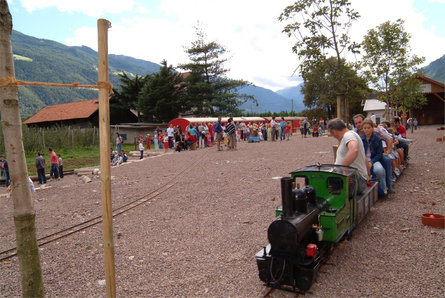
x=23 y=58
x=73 y=158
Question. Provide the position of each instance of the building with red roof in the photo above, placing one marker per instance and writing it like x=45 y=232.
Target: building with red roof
x=76 y=114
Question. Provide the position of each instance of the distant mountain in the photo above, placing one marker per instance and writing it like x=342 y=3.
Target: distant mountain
x=294 y=94
x=436 y=70
x=268 y=101
x=44 y=60
x=41 y=60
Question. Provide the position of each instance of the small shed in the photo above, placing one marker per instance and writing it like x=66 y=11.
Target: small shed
x=130 y=132
x=375 y=106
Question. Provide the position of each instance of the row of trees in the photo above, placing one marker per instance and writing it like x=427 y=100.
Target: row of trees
x=332 y=83
x=203 y=88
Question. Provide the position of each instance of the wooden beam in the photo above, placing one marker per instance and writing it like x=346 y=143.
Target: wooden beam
x=439 y=97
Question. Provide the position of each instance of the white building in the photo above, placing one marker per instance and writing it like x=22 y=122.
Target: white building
x=375 y=106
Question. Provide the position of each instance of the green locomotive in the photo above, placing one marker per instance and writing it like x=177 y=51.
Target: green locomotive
x=309 y=221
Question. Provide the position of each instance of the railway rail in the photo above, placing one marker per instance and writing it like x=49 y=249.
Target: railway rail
x=12 y=252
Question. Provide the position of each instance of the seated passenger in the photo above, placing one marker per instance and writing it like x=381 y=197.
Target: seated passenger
x=387 y=141
x=402 y=132
x=350 y=151
x=396 y=157
x=374 y=154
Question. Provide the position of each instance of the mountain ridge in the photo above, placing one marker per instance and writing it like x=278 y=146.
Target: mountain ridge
x=436 y=70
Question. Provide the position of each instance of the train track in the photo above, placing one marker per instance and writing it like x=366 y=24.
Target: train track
x=9 y=253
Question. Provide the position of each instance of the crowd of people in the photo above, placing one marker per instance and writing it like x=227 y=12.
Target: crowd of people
x=379 y=152
x=56 y=168
x=202 y=135
x=313 y=128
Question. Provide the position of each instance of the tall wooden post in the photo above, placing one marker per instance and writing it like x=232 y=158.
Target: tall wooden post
x=24 y=214
x=105 y=176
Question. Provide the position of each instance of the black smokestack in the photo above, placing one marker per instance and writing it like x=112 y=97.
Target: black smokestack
x=286 y=196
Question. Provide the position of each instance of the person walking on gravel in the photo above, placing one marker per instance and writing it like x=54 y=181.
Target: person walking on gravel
x=141 y=149
x=274 y=129
x=60 y=165
x=119 y=142
x=231 y=134
x=54 y=171
x=5 y=170
x=40 y=166
x=217 y=128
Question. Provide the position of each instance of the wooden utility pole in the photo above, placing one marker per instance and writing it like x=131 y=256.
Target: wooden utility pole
x=104 y=133
x=24 y=215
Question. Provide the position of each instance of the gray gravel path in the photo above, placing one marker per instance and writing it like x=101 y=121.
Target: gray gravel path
x=200 y=237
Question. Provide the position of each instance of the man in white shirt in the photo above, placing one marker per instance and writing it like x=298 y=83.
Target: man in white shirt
x=350 y=151
x=273 y=126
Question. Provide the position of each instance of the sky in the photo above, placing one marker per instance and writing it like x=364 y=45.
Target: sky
x=258 y=51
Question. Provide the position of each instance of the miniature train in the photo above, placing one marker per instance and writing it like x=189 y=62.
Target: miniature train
x=310 y=220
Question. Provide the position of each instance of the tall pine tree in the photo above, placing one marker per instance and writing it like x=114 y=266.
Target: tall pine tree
x=127 y=97
x=162 y=97
x=208 y=90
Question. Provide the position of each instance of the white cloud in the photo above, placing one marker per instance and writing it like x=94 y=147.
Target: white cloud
x=423 y=40
x=249 y=29
x=90 y=8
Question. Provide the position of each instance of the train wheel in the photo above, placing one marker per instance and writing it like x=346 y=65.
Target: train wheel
x=349 y=236
x=305 y=280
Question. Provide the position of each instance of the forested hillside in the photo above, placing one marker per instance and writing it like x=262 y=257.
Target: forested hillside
x=268 y=101
x=49 y=61
x=436 y=70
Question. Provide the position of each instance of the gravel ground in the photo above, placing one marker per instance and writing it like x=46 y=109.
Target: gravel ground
x=200 y=237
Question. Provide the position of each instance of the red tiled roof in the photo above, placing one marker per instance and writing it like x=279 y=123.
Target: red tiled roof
x=65 y=111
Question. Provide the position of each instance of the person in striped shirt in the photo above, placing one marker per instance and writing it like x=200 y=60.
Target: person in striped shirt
x=231 y=134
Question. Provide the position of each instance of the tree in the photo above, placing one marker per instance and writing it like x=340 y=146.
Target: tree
x=406 y=95
x=162 y=96
x=319 y=88
x=321 y=31
x=24 y=214
x=208 y=90
x=387 y=57
x=127 y=97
